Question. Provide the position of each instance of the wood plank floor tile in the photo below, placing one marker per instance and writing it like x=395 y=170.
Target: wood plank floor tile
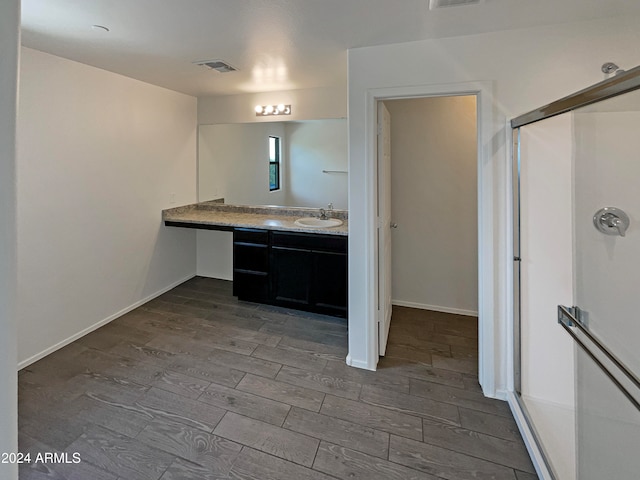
x=160 y=404
x=526 y=476
x=327 y=352
x=469 y=331
x=462 y=365
x=112 y=386
x=371 y=416
x=408 y=369
x=340 y=432
x=246 y=321
x=320 y=382
x=255 y=465
x=464 y=352
x=179 y=345
x=205 y=370
x=286 y=444
x=471 y=383
x=292 y=358
x=245 y=363
x=307 y=334
x=444 y=463
x=459 y=397
x=215 y=453
x=121 y=455
x=380 y=377
x=452 y=340
x=60 y=471
x=220 y=329
x=480 y=445
x=180 y=384
x=247 y=404
x=108 y=336
x=196 y=359
x=158 y=305
x=141 y=352
x=282 y=392
x=158 y=322
x=229 y=344
x=400 y=338
x=497 y=426
x=349 y=464
x=417 y=406
x=184 y=470
x=409 y=353
x=120 y=416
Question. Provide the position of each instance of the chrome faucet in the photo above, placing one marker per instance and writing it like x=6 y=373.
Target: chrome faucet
x=323 y=212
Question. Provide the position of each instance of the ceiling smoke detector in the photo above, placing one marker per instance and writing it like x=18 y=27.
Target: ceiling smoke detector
x=217 y=65
x=433 y=4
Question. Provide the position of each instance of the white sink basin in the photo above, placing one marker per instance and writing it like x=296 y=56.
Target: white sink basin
x=313 y=222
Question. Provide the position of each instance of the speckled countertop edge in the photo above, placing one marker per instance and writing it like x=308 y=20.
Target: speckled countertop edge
x=246 y=216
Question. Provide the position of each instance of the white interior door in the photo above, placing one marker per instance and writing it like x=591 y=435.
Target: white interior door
x=384 y=226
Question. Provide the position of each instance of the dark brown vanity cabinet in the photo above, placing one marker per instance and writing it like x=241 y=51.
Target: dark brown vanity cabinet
x=304 y=271
x=251 y=264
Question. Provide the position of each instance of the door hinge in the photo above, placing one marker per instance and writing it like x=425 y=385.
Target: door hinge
x=517 y=259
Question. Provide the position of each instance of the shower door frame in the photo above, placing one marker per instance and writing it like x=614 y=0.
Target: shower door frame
x=612 y=87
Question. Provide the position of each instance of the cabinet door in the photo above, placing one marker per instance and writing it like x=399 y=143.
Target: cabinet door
x=291 y=276
x=330 y=283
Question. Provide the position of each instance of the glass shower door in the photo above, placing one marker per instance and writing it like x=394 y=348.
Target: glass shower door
x=606 y=266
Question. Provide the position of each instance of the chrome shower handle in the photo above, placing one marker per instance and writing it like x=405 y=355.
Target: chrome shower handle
x=611 y=221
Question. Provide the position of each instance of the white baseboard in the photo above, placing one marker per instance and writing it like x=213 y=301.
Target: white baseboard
x=501 y=395
x=357 y=363
x=95 y=326
x=537 y=457
x=435 y=308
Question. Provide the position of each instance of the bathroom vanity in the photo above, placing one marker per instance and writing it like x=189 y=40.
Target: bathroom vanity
x=278 y=259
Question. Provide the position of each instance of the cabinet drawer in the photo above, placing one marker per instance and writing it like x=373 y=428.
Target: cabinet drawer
x=251 y=235
x=311 y=241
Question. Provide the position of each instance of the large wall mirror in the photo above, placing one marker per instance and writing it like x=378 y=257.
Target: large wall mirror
x=235 y=162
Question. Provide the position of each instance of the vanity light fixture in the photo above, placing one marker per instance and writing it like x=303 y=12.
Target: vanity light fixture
x=267 y=110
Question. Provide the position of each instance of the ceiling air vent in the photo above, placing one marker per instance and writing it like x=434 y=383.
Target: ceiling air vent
x=433 y=4
x=217 y=65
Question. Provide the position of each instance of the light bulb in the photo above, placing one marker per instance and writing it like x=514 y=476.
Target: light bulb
x=258 y=109
x=268 y=109
x=281 y=108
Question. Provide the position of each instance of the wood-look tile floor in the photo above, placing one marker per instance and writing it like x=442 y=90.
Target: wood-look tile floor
x=196 y=385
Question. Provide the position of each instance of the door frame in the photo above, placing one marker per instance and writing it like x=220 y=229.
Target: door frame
x=487 y=222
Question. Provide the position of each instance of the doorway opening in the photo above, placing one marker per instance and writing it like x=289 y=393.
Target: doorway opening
x=427 y=207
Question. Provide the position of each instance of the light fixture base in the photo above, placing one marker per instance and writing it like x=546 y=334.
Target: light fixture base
x=272 y=110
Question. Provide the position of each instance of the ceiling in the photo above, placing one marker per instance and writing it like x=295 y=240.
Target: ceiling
x=275 y=44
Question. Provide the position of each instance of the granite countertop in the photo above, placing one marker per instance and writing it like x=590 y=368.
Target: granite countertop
x=216 y=214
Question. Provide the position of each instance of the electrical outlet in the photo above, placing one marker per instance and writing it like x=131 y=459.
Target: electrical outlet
x=172 y=199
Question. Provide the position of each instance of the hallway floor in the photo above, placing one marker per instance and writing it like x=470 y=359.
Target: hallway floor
x=196 y=385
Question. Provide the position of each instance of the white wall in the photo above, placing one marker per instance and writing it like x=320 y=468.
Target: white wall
x=314 y=146
x=233 y=163
x=526 y=69
x=434 y=165
x=9 y=48
x=548 y=367
x=99 y=156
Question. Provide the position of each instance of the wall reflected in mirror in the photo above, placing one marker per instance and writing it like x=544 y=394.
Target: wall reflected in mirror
x=234 y=163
